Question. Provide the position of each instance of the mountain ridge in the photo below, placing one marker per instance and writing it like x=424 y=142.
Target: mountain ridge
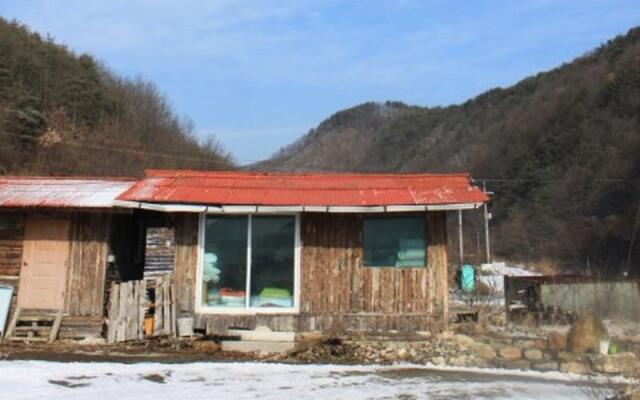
x=66 y=114
x=558 y=149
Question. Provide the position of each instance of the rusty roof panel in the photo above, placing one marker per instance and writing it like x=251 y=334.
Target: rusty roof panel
x=60 y=192
x=311 y=189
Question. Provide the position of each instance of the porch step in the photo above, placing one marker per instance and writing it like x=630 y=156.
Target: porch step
x=75 y=327
x=259 y=340
x=263 y=334
x=34 y=325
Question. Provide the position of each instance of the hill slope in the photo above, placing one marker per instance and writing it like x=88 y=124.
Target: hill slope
x=65 y=114
x=560 y=150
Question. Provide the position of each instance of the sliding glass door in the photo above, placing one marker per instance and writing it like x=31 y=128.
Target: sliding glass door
x=224 y=278
x=272 y=261
x=249 y=262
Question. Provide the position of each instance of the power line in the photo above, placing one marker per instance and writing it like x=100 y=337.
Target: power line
x=551 y=180
x=138 y=152
x=141 y=152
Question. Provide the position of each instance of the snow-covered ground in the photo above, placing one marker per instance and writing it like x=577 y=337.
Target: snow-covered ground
x=194 y=381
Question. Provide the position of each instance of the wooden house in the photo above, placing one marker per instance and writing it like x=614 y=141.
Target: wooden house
x=54 y=239
x=309 y=252
x=331 y=253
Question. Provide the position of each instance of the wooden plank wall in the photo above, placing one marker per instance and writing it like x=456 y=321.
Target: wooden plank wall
x=337 y=291
x=11 y=237
x=186 y=235
x=88 y=262
x=160 y=252
x=338 y=294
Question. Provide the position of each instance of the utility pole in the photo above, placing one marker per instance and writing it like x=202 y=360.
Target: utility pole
x=487 y=217
x=460 y=237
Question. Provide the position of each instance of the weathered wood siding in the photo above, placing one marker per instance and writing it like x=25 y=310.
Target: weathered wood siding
x=186 y=235
x=11 y=237
x=11 y=243
x=87 y=261
x=160 y=251
x=87 y=265
x=338 y=294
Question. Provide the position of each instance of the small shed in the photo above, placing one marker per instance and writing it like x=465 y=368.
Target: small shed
x=297 y=252
x=54 y=243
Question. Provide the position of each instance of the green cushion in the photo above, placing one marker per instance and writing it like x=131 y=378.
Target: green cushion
x=275 y=293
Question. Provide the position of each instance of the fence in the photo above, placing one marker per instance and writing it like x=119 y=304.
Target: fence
x=132 y=302
x=582 y=295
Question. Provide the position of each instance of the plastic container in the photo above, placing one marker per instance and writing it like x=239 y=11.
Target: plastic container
x=148 y=325
x=6 y=292
x=604 y=346
x=467 y=278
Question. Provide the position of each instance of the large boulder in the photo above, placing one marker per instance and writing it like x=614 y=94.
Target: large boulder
x=574 y=367
x=484 y=351
x=615 y=363
x=585 y=335
x=510 y=352
x=464 y=341
x=533 y=354
x=557 y=341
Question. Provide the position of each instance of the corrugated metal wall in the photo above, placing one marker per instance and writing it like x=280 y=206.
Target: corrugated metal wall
x=608 y=300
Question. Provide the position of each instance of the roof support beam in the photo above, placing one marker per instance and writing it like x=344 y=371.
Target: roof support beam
x=255 y=209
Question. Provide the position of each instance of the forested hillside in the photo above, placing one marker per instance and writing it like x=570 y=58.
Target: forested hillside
x=561 y=151
x=61 y=113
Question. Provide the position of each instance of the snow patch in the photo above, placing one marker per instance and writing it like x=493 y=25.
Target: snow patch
x=156 y=381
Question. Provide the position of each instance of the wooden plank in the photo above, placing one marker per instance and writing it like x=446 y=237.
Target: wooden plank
x=166 y=305
x=55 y=328
x=30 y=339
x=132 y=310
x=37 y=318
x=158 y=318
x=174 y=316
x=121 y=334
x=113 y=313
x=142 y=308
x=186 y=234
x=12 y=325
x=89 y=236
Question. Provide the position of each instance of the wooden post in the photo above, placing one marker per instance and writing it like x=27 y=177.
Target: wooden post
x=486 y=227
x=166 y=305
x=113 y=312
x=142 y=307
x=158 y=329
x=460 y=238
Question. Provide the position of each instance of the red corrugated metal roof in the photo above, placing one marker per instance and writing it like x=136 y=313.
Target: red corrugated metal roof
x=60 y=192
x=306 y=189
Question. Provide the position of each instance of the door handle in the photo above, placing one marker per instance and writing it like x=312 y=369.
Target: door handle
x=25 y=263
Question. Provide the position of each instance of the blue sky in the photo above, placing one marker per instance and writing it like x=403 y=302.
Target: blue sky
x=257 y=74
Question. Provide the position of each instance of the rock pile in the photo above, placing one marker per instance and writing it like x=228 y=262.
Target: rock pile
x=466 y=351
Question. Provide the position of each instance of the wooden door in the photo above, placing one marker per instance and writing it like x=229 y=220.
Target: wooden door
x=44 y=264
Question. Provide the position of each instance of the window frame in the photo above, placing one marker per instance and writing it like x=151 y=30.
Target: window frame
x=248 y=310
x=422 y=217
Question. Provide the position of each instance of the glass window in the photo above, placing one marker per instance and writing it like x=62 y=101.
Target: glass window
x=224 y=272
x=391 y=241
x=254 y=253
x=272 y=263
